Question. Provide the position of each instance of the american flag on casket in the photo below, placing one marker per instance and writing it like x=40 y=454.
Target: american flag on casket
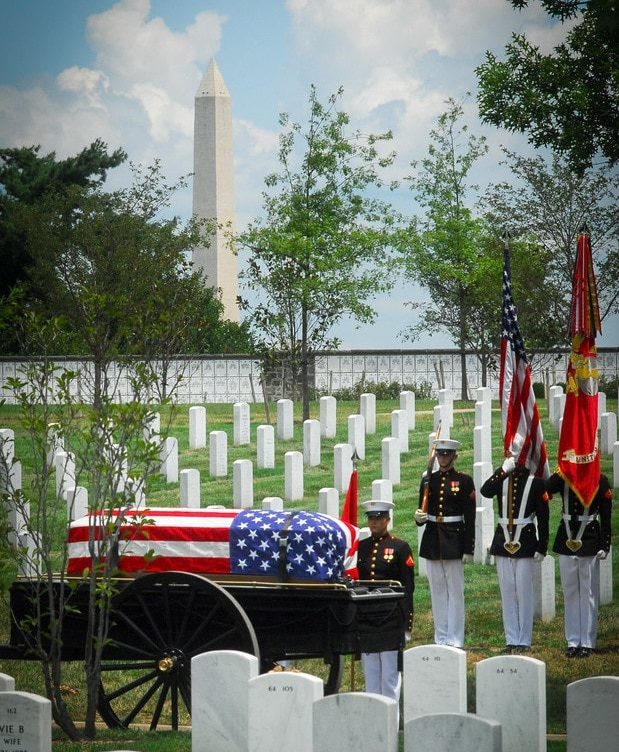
x=317 y=547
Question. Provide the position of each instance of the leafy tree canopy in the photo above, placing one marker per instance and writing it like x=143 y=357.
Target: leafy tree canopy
x=25 y=176
x=567 y=100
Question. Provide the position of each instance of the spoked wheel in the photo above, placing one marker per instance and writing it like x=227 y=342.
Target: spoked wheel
x=334 y=678
x=158 y=623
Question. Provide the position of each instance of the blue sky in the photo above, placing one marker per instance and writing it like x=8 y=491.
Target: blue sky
x=127 y=71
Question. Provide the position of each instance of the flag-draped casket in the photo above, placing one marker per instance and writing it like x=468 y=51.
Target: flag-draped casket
x=293 y=545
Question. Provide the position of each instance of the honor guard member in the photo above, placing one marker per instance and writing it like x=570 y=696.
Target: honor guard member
x=448 y=540
x=517 y=545
x=582 y=540
x=385 y=557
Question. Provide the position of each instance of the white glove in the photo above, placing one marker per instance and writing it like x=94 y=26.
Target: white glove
x=538 y=557
x=467 y=558
x=420 y=517
x=407 y=636
x=601 y=555
x=509 y=465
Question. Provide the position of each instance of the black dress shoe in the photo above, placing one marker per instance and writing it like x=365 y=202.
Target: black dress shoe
x=508 y=649
x=585 y=652
x=522 y=649
x=571 y=652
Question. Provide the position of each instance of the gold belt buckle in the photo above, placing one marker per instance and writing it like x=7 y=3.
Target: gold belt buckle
x=439 y=517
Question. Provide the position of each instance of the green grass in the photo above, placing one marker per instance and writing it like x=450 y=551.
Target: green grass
x=484 y=635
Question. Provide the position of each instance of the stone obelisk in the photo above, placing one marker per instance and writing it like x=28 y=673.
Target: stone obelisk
x=213 y=186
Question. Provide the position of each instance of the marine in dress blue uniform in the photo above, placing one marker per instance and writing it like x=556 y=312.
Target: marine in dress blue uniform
x=385 y=557
x=448 y=541
x=582 y=540
x=517 y=545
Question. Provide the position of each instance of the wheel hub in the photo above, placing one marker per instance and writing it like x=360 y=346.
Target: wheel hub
x=173 y=660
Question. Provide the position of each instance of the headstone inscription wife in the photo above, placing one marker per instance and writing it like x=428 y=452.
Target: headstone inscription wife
x=25 y=722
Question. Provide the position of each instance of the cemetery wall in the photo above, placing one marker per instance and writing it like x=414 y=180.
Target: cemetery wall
x=235 y=378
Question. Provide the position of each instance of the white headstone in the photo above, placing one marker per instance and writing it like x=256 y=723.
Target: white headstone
x=14 y=482
x=329 y=502
x=615 y=480
x=220 y=719
x=356 y=434
x=482 y=447
x=265 y=447
x=592 y=719
x=434 y=677
x=7 y=683
x=328 y=417
x=357 y=721
x=407 y=403
x=553 y=392
x=382 y=489
x=293 y=476
x=118 y=457
x=608 y=432
x=390 y=459
x=77 y=502
x=311 y=443
x=484 y=395
x=135 y=489
x=601 y=406
x=558 y=405
x=606 y=579
x=544 y=589
x=281 y=711
x=484 y=532
x=445 y=400
x=55 y=442
x=218 y=454
x=169 y=459
x=242 y=484
x=65 y=472
x=190 y=488
x=512 y=690
x=446 y=732
x=272 y=504
x=480 y=410
x=152 y=427
x=399 y=428
x=7 y=445
x=242 y=424
x=481 y=472
x=25 y=722
x=437 y=419
x=342 y=466
x=367 y=408
x=285 y=425
x=197 y=427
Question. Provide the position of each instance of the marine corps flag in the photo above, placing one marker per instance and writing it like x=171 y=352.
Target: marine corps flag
x=579 y=454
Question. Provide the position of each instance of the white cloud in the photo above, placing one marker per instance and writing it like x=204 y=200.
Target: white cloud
x=83 y=82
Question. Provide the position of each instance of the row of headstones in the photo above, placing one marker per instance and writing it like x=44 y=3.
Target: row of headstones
x=287 y=710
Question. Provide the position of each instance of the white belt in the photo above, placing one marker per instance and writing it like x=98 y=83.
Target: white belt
x=581 y=517
x=440 y=518
x=519 y=521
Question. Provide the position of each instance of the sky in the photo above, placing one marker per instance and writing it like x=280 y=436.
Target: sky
x=127 y=72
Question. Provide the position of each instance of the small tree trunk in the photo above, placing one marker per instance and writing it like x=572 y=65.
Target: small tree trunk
x=304 y=365
x=464 y=392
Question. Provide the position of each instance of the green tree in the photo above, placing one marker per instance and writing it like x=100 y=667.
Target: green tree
x=320 y=252
x=108 y=266
x=25 y=177
x=568 y=100
x=545 y=207
x=449 y=251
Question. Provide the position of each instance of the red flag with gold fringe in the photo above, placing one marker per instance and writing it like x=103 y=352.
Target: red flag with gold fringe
x=579 y=453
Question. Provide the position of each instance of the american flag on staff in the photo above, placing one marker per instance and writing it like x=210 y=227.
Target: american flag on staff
x=522 y=430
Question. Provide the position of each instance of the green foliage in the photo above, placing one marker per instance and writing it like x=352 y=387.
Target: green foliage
x=320 y=252
x=609 y=385
x=450 y=252
x=567 y=100
x=25 y=177
x=544 y=208
x=539 y=390
x=383 y=390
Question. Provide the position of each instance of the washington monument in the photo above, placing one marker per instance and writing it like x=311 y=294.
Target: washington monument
x=213 y=186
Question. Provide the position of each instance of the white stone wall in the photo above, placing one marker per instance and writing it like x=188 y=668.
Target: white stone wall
x=229 y=379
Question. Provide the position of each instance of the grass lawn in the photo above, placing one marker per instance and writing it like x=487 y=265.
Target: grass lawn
x=484 y=631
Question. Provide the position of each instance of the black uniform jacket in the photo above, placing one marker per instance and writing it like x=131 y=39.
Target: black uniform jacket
x=596 y=536
x=452 y=494
x=388 y=558
x=536 y=504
